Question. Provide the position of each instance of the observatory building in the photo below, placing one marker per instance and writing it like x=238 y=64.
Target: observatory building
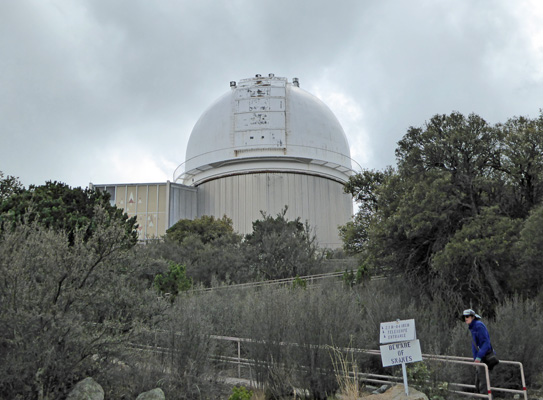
x=263 y=145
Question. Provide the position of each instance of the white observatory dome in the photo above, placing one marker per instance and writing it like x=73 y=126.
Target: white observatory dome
x=266 y=124
x=264 y=145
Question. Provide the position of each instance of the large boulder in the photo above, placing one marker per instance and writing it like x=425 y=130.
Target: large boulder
x=155 y=394
x=87 y=389
x=397 y=392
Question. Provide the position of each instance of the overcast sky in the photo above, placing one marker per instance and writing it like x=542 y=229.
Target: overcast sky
x=107 y=91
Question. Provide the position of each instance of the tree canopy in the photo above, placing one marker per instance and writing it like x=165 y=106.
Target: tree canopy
x=279 y=248
x=57 y=206
x=211 y=250
x=208 y=246
x=450 y=215
x=207 y=228
x=9 y=186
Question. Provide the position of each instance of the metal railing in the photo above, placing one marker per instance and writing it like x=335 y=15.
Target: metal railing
x=386 y=379
x=467 y=360
x=309 y=279
x=241 y=362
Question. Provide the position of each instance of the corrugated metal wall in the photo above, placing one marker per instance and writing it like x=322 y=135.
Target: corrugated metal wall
x=183 y=203
x=318 y=200
x=156 y=206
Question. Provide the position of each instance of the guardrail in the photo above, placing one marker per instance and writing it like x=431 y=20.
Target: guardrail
x=240 y=362
x=310 y=279
x=463 y=360
x=384 y=379
x=307 y=278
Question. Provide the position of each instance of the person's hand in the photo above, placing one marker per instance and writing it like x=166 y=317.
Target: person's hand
x=477 y=361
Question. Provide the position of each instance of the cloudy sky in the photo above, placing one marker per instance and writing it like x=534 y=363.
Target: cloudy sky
x=107 y=91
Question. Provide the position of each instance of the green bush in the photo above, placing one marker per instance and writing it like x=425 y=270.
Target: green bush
x=174 y=281
x=240 y=393
x=350 y=278
x=299 y=283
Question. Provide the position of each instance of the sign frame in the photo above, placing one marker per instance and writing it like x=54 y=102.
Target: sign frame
x=397 y=337
x=397 y=331
x=401 y=353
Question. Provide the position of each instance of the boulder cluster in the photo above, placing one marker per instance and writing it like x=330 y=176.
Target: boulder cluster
x=89 y=389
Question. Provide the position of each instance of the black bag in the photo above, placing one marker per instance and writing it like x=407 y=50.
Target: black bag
x=491 y=360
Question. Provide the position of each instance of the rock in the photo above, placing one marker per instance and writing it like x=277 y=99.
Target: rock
x=382 y=389
x=155 y=394
x=397 y=392
x=87 y=389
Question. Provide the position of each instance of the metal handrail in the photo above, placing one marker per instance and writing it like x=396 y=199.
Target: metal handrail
x=369 y=377
x=273 y=282
x=180 y=170
x=517 y=363
x=282 y=281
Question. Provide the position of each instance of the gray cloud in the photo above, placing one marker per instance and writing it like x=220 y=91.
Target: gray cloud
x=108 y=91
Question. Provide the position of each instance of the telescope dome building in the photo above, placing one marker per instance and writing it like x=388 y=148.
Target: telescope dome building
x=263 y=145
x=267 y=144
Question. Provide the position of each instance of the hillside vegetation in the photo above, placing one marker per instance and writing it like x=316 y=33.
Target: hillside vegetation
x=456 y=224
x=460 y=214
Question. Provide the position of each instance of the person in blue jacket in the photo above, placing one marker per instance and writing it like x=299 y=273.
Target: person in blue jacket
x=480 y=346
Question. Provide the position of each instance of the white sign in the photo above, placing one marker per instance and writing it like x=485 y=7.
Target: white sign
x=401 y=353
x=397 y=331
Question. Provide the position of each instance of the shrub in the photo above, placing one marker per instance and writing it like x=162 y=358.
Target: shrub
x=299 y=283
x=68 y=305
x=174 y=281
x=240 y=393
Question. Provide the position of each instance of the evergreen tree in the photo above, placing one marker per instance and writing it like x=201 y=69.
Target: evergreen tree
x=450 y=215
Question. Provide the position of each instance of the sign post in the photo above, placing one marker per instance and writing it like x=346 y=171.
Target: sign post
x=399 y=345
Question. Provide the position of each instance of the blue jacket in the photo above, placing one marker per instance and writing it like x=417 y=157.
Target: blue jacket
x=481 y=339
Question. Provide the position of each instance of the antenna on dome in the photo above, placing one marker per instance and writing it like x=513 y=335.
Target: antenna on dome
x=296 y=82
x=232 y=84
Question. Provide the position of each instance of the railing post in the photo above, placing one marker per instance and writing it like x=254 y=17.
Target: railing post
x=239 y=358
x=523 y=381
x=488 y=388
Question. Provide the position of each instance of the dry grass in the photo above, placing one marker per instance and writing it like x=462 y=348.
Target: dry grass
x=258 y=394
x=346 y=374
